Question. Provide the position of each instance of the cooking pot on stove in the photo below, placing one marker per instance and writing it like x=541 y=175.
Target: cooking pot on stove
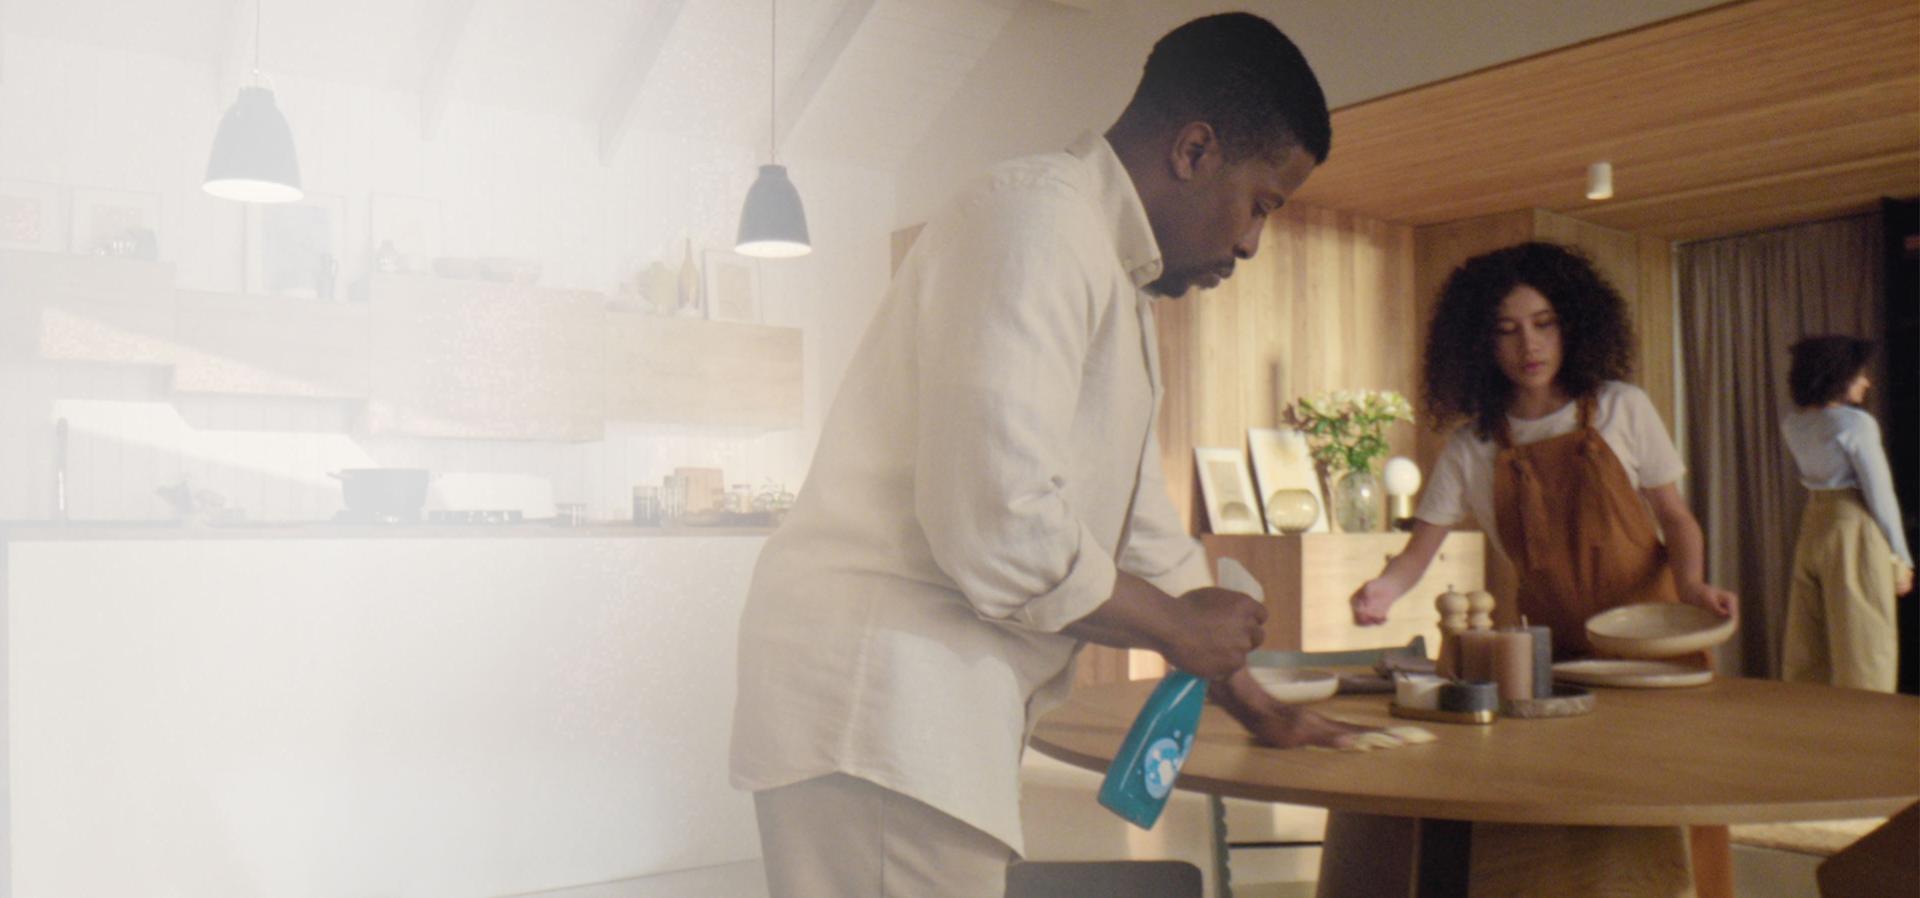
x=379 y=493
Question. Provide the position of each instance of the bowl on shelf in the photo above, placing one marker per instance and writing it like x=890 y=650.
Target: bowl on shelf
x=1294 y=685
x=1657 y=630
x=456 y=268
x=507 y=270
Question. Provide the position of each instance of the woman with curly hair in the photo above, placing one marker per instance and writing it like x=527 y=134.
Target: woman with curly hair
x=1566 y=467
x=1851 y=558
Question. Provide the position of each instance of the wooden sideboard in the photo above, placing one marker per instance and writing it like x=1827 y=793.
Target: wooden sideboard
x=1309 y=577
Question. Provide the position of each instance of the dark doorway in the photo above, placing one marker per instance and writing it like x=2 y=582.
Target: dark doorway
x=1902 y=354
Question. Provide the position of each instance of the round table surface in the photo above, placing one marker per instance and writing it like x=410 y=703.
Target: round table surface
x=1732 y=751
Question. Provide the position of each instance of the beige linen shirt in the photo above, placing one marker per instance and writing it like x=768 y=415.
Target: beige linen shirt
x=988 y=466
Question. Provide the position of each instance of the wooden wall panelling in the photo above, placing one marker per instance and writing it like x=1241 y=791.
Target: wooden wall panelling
x=463 y=359
x=86 y=308
x=1654 y=323
x=703 y=372
x=1324 y=305
x=271 y=346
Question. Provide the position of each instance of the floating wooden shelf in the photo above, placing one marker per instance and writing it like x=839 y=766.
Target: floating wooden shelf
x=432 y=357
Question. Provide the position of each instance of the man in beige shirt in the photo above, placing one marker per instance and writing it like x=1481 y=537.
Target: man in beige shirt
x=986 y=496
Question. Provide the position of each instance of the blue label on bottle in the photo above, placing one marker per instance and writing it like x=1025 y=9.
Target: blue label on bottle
x=1161 y=766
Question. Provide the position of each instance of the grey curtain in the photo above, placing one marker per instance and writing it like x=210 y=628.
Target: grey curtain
x=1743 y=301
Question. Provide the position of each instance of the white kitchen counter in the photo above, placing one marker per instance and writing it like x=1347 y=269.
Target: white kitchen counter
x=351 y=717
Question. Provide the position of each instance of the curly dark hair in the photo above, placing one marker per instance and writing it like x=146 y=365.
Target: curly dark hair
x=1240 y=74
x=1460 y=377
x=1824 y=366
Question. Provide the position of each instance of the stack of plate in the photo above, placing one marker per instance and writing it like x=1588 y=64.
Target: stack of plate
x=1644 y=636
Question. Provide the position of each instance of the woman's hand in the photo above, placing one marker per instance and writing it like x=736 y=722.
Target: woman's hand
x=1902 y=579
x=1372 y=601
x=1706 y=595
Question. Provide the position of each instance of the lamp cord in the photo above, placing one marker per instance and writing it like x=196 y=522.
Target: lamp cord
x=256 y=42
x=772 y=83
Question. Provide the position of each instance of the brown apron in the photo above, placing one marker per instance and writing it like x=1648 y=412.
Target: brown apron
x=1580 y=537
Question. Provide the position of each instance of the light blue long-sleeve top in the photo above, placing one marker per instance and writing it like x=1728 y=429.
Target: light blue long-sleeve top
x=1838 y=447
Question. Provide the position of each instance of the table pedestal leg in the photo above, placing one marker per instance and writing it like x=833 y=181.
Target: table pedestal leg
x=1712 y=861
x=1523 y=861
x=1368 y=855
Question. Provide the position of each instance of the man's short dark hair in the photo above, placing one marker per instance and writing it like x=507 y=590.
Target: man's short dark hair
x=1823 y=367
x=1237 y=72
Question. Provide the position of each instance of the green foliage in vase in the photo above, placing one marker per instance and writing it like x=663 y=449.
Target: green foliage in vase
x=1347 y=428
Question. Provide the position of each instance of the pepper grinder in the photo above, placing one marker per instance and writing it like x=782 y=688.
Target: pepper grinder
x=1453 y=618
x=1480 y=610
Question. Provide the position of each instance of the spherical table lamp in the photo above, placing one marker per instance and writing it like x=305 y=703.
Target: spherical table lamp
x=1403 y=480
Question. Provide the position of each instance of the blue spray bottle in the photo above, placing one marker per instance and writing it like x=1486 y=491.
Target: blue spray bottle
x=1142 y=773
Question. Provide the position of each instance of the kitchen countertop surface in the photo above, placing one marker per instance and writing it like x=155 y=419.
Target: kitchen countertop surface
x=79 y=531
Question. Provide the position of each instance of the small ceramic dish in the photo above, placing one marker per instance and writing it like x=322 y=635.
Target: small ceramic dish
x=1657 y=630
x=1295 y=685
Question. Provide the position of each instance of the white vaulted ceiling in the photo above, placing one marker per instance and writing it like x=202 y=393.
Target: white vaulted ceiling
x=859 y=79
x=866 y=81
x=932 y=90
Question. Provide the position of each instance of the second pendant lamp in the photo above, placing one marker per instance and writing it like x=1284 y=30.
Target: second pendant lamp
x=253 y=159
x=773 y=223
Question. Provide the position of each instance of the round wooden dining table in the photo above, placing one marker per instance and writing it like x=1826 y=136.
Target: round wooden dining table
x=1593 y=804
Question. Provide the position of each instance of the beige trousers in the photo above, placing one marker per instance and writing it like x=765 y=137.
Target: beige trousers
x=839 y=836
x=1841 y=629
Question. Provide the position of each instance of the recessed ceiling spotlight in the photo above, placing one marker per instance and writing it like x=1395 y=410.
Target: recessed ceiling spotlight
x=1600 y=181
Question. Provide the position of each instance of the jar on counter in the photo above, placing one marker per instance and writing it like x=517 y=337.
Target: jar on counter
x=740 y=499
x=673 y=497
x=646 y=506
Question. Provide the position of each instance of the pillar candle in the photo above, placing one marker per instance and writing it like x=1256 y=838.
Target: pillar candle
x=1542 y=661
x=1475 y=661
x=1418 y=691
x=1469 y=697
x=1513 y=663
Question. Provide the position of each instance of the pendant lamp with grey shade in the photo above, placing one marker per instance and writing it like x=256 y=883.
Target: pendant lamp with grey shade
x=253 y=159
x=773 y=224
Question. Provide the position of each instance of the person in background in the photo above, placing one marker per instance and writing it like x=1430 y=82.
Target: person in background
x=986 y=497
x=1567 y=467
x=1851 y=558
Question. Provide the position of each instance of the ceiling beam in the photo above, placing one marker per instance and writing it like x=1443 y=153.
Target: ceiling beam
x=436 y=83
x=638 y=54
x=826 y=55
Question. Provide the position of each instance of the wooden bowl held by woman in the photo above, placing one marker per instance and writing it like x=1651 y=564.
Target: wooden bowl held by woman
x=1657 y=630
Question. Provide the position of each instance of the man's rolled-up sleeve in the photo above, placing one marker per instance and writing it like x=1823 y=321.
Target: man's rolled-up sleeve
x=1159 y=549
x=1001 y=341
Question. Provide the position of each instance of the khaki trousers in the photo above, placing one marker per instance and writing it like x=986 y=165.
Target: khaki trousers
x=1841 y=628
x=839 y=836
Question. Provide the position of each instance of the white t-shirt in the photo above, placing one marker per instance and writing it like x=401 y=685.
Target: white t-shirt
x=1461 y=485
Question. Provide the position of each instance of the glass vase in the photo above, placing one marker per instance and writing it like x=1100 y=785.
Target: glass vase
x=1356 y=502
